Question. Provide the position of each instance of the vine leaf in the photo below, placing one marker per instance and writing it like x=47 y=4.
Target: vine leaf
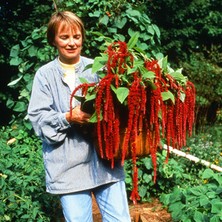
x=133 y=40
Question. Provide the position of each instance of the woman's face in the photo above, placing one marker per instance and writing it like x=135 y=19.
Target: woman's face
x=68 y=41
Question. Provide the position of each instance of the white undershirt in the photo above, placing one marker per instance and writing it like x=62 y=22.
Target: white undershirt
x=69 y=74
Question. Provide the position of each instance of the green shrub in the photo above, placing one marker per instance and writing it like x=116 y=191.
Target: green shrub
x=22 y=183
x=201 y=203
x=205 y=146
x=27 y=56
x=205 y=66
x=169 y=174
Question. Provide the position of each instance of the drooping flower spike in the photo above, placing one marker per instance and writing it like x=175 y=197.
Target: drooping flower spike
x=156 y=109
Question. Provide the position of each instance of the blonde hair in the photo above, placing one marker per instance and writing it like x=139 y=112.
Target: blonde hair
x=66 y=18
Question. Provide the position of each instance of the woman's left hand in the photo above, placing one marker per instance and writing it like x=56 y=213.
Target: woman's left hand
x=78 y=116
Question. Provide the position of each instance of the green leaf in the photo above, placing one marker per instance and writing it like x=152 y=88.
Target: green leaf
x=95 y=14
x=150 y=30
x=148 y=163
x=178 y=76
x=147 y=178
x=138 y=49
x=163 y=63
x=208 y=173
x=121 y=93
x=104 y=20
x=138 y=63
x=216 y=207
x=133 y=40
x=211 y=194
x=83 y=80
x=121 y=22
x=146 y=74
x=89 y=66
x=99 y=62
x=142 y=191
x=198 y=216
x=179 y=206
x=98 y=34
x=157 y=30
x=32 y=51
x=35 y=34
x=10 y=103
x=15 y=61
x=79 y=98
x=133 y=13
x=20 y=107
x=182 y=96
x=204 y=200
x=93 y=118
x=216 y=218
x=24 y=93
x=7 y=218
x=168 y=95
x=112 y=30
x=128 y=180
x=35 y=212
x=218 y=178
x=90 y=97
x=131 y=70
x=15 y=51
x=14 y=82
x=197 y=191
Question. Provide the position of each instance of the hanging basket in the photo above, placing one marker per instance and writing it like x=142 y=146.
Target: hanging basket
x=141 y=141
x=141 y=148
x=138 y=102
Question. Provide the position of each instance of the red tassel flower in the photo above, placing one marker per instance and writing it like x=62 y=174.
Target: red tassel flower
x=138 y=103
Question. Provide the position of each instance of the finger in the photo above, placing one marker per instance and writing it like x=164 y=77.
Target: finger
x=86 y=115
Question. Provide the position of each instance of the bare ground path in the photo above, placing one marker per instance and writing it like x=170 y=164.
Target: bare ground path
x=145 y=212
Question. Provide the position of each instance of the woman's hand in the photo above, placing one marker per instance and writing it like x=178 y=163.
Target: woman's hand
x=78 y=116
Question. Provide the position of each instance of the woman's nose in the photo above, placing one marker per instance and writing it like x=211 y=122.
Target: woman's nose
x=71 y=41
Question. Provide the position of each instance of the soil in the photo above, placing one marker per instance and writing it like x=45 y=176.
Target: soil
x=141 y=212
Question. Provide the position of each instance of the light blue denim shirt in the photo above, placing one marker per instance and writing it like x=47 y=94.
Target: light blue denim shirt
x=70 y=160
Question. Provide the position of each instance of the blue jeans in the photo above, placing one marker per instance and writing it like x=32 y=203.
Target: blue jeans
x=111 y=199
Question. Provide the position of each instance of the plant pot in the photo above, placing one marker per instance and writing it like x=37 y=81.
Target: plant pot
x=142 y=147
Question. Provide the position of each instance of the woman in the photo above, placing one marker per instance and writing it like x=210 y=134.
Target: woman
x=73 y=169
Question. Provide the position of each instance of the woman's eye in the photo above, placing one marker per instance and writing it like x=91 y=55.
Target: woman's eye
x=77 y=36
x=63 y=37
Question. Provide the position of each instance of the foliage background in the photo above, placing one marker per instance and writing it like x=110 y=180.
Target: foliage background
x=190 y=34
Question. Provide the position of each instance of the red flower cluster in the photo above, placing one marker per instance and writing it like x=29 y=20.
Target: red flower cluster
x=144 y=113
